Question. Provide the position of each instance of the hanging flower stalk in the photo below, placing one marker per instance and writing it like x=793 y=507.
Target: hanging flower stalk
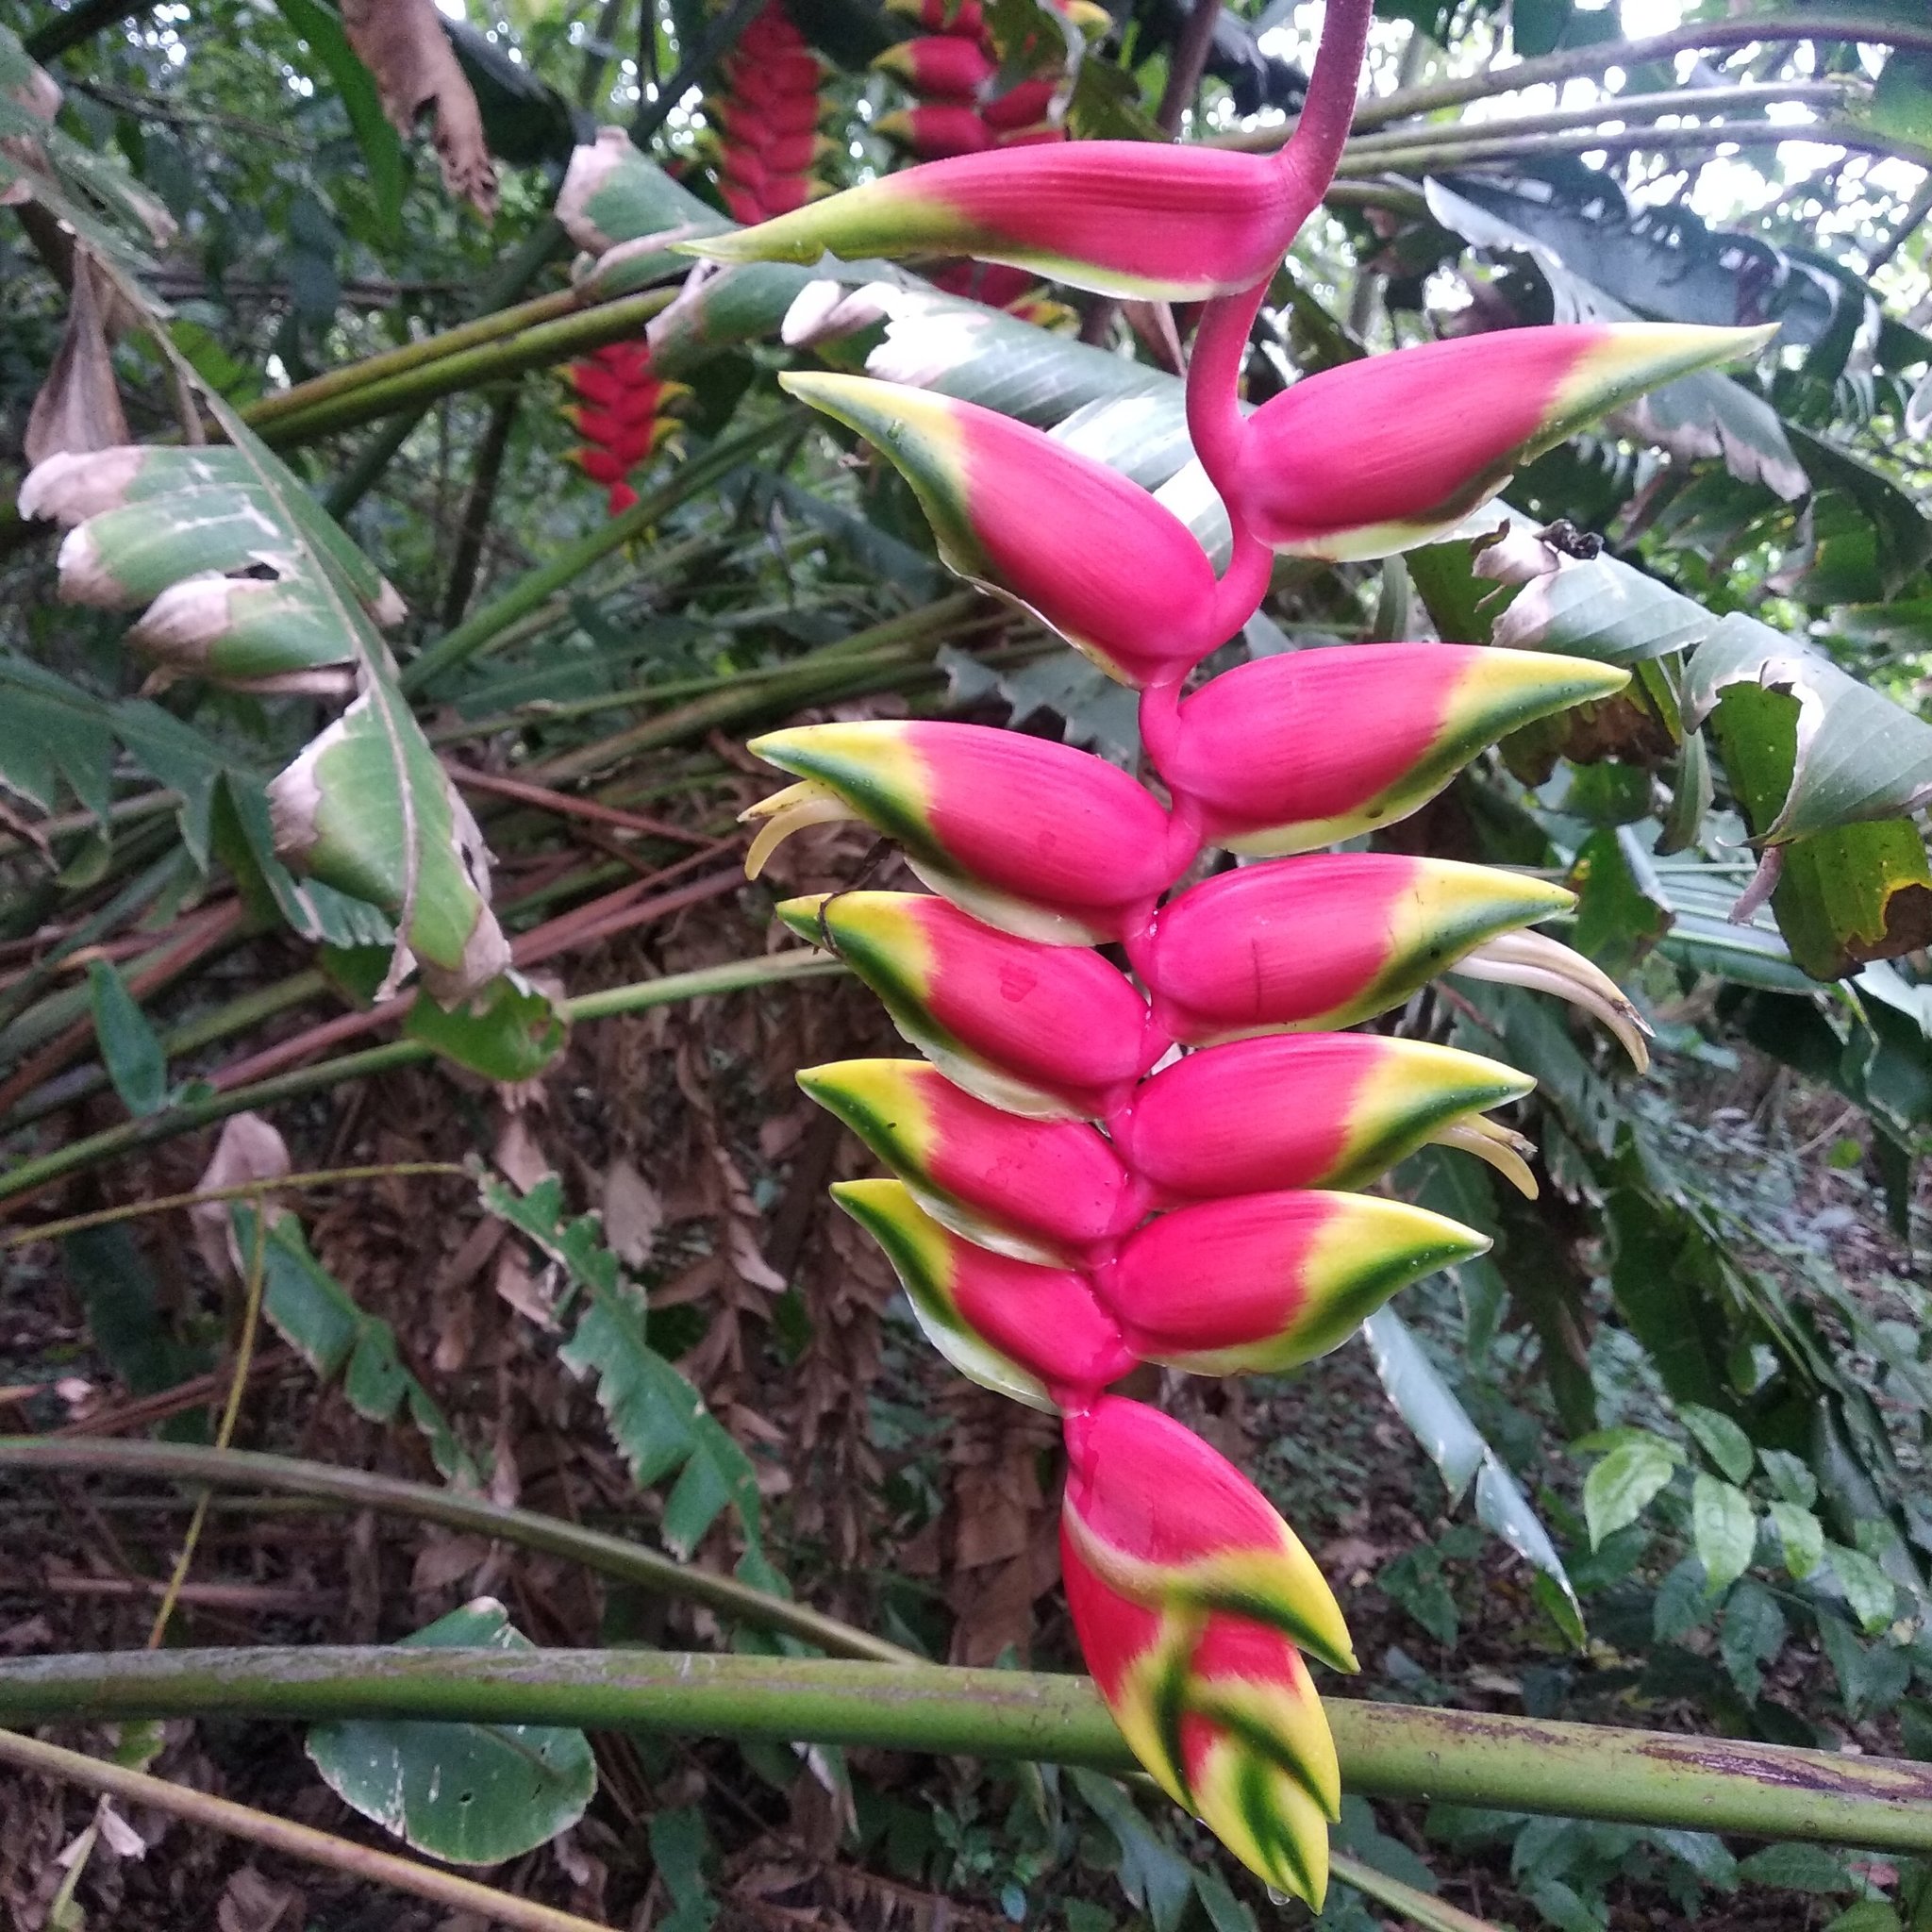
x=765 y=143
x=624 y=414
x=1072 y=1198
x=952 y=70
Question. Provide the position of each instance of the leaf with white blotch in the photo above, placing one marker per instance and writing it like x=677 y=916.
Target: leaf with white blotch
x=1859 y=755
x=229 y=550
x=471 y=1793
x=1454 y=1443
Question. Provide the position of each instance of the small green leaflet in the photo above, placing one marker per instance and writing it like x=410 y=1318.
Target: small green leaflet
x=135 y=1062
x=318 y=1318
x=1154 y=1876
x=1619 y=1487
x=1720 y=1437
x=475 y=1794
x=657 y=1419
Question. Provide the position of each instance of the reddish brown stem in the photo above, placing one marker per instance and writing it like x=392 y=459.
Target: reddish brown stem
x=208 y=935
x=568 y=806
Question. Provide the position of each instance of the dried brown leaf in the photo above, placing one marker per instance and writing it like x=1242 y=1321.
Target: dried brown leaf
x=403 y=45
x=633 y=1213
x=251 y=1902
x=249 y=1150
x=78 y=406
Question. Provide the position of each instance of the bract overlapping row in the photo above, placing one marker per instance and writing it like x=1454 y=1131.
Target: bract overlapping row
x=1096 y=1168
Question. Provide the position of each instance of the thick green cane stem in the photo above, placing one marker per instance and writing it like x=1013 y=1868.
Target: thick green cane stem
x=531 y=348
x=1387 y=1750
x=526 y=1529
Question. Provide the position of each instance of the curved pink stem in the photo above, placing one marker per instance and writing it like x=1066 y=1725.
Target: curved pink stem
x=1307 y=165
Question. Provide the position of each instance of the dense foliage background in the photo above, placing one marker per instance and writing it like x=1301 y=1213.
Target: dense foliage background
x=1658 y=1459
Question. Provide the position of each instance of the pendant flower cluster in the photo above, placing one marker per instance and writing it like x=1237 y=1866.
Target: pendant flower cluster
x=765 y=143
x=952 y=70
x=1095 y=1168
x=624 y=414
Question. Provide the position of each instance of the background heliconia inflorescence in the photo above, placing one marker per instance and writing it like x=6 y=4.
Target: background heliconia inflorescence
x=1075 y=1197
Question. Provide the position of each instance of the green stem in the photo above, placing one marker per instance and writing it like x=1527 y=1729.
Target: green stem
x=335 y=383
x=464 y=1896
x=526 y=1529
x=1387 y=1750
x=1458 y=148
x=1629 y=107
x=1417 y=1908
x=534 y=587
x=372 y=460
x=531 y=348
x=1809 y=23
x=737 y=700
x=30 y=1175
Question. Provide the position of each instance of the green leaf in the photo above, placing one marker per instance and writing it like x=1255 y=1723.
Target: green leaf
x=55 y=737
x=1723 y=1529
x=678 y=1845
x=1454 y=1443
x=657 y=1419
x=1720 y=1438
x=121 y=1301
x=1855 y=754
x=382 y=149
x=1870 y=1595
x=509 y=1030
x=1754 y=1633
x=1790 y=1477
x=1796 y=1867
x=319 y=1319
x=1844 y=897
x=1225 y=1912
x=1414 y=1582
x=1601 y=607
x=1619 y=1490
x=129 y=1048
x=1154 y=1878
x=1801 y=1534
x=473 y=1794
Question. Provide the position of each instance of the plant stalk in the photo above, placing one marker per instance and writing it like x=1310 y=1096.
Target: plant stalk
x=1779 y=25
x=1387 y=1750
x=29 y=1176
x=464 y=1895
x=1459 y=149
x=531 y=348
x=534 y=587
x=526 y=1529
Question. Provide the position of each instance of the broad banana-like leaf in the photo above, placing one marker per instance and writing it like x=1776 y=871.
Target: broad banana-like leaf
x=1701 y=415
x=247 y=580
x=1427 y=1404
x=90 y=190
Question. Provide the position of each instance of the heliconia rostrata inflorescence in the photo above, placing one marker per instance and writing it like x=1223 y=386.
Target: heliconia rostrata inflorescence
x=1074 y=1196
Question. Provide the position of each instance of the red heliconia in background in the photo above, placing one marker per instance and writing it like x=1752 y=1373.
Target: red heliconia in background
x=624 y=413
x=1061 y=1209
x=764 y=119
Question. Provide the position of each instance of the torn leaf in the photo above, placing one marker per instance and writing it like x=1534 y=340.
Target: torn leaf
x=403 y=45
x=78 y=406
